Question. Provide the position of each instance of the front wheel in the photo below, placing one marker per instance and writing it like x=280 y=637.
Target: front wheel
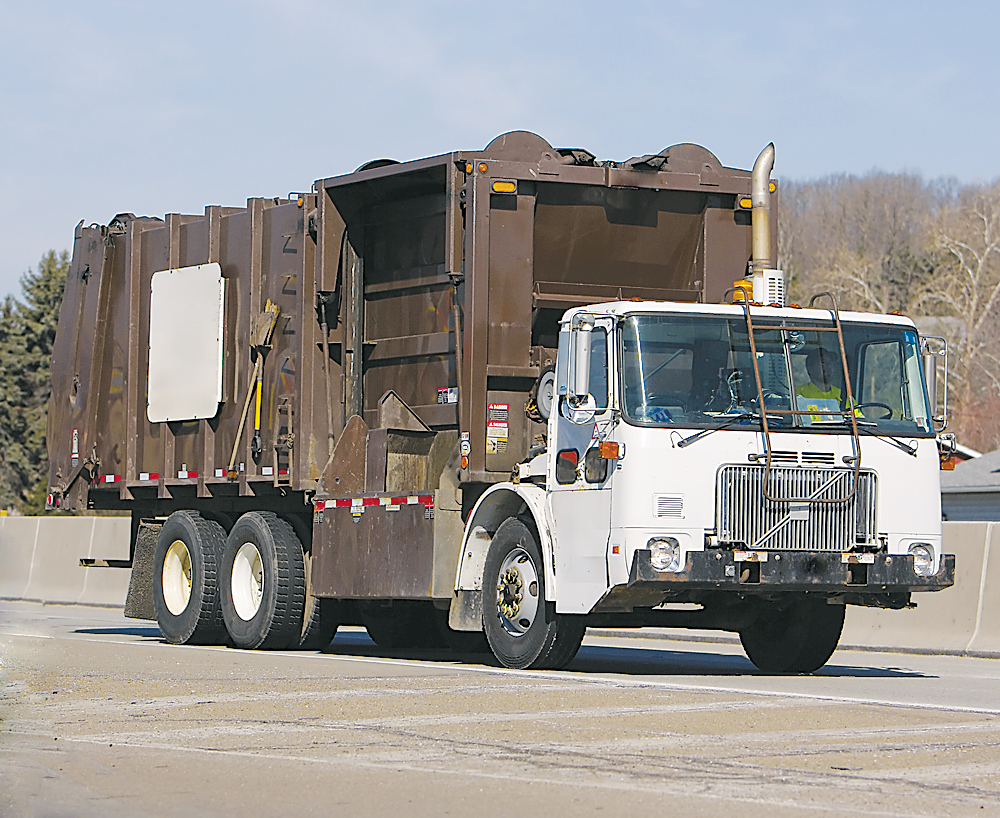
x=263 y=583
x=797 y=638
x=522 y=630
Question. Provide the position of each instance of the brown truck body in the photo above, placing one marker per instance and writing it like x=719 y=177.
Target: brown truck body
x=369 y=389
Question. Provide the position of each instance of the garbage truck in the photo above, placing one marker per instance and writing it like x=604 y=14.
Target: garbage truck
x=486 y=400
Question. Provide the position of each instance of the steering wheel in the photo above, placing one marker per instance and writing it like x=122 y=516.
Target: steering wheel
x=887 y=408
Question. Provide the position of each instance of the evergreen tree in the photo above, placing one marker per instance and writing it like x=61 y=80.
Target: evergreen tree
x=27 y=332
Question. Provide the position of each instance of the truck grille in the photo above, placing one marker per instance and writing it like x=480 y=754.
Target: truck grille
x=744 y=516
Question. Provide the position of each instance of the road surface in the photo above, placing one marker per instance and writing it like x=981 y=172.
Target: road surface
x=100 y=717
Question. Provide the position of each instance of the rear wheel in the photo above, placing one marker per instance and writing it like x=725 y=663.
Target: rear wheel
x=321 y=617
x=522 y=630
x=797 y=638
x=263 y=595
x=320 y=623
x=185 y=582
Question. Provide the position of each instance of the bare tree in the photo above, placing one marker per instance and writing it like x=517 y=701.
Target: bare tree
x=864 y=239
x=966 y=286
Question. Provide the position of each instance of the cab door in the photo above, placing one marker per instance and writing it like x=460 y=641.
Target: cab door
x=579 y=479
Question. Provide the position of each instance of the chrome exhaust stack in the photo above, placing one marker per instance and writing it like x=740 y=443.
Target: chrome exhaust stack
x=768 y=282
x=760 y=195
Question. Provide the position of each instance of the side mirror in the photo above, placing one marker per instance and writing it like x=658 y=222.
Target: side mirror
x=581 y=369
x=933 y=348
x=573 y=360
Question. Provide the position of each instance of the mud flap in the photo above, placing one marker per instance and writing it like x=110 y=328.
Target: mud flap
x=139 y=602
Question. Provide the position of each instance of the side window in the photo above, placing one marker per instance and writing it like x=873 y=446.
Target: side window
x=881 y=376
x=566 y=462
x=599 y=366
x=595 y=466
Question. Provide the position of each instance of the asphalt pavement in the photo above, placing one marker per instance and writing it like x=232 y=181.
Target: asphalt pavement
x=100 y=717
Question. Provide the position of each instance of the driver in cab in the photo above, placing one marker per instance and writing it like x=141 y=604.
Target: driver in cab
x=821 y=394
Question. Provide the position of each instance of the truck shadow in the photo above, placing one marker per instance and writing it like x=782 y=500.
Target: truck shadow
x=630 y=661
x=149 y=632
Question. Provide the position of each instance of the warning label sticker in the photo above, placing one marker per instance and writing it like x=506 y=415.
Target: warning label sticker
x=447 y=394
x=497 y=427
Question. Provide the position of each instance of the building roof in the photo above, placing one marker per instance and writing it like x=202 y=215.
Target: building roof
x=975 y=475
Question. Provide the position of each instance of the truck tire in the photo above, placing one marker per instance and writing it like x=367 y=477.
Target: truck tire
x=263 y=583
x=320 y=623
x=522 y=630
x=186 y=598
x=797 y=639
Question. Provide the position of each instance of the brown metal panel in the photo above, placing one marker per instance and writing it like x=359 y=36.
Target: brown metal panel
x=110 y=362
x=150 y=255
x=235 y=247
x=506 y=431
x=132 y=377
x=345 y=472
x=207 y=427
x=282 y=281
x=727 y=249
x=391 y=169
x=477 y=304
x=354 y=321
x=168 y=430
x=375 y=463
x=72 y=405
x=378 y=554
x=511 y=260
x=647 y=239
x=312 y=442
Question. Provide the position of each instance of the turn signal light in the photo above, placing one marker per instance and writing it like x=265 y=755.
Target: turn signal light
x=610 y=450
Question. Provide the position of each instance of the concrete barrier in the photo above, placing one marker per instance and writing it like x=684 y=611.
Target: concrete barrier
x=40 y=556
x=18 y=537
x=986 y=636
x=40 y=559
x=943 y=621
x=110 y=540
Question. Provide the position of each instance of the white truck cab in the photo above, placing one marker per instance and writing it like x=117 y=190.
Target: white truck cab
x=764 y=466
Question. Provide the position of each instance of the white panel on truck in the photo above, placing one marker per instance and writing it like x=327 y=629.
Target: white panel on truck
x=186 y=315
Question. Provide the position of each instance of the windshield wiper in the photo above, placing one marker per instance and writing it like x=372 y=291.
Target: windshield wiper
x=730 y=422
x=869 y=427
x=899 y=444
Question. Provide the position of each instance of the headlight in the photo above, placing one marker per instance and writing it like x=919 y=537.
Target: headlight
x=664 y=553
x=923 y=559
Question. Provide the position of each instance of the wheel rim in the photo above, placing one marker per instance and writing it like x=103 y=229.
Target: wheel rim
x=247 y=581
x=517 y=592
x=176 y=578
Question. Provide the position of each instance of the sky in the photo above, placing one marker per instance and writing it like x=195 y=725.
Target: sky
x=158 y=107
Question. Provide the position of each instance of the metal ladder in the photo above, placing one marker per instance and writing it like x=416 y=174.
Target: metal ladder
x=848 y=413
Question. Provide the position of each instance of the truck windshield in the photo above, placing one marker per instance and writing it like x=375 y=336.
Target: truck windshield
x=697 y=372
